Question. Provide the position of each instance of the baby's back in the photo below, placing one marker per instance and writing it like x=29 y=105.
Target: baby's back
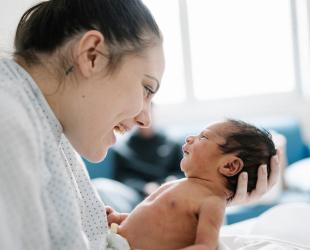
x=167 y=219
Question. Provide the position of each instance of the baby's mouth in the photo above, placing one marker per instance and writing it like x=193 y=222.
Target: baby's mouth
x=185 y=152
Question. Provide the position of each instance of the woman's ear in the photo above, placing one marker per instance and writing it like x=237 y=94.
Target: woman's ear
x=231 y=166
x=90 y=53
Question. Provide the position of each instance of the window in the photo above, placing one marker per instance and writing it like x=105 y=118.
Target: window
x=302 y=27
x=240 y=47
x=228 y=48
x=166 y=13
x=219 y=48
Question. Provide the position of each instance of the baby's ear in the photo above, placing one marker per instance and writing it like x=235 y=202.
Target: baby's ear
x=231 y=166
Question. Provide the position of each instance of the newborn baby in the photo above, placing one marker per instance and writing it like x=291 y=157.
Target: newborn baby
x=188 y=213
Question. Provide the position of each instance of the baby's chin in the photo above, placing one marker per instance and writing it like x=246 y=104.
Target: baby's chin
x=182 y=165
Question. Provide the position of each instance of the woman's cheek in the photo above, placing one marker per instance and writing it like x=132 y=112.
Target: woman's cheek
x=138 y=103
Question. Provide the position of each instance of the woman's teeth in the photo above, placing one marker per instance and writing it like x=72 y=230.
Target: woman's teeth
x=120 y=129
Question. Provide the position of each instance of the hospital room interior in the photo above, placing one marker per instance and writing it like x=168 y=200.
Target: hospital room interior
x=247 y=60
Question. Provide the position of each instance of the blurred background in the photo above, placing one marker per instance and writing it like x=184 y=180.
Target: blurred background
x=243 y=59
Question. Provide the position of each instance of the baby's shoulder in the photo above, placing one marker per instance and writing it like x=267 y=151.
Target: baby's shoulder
x=178 y=182
x=213 y=201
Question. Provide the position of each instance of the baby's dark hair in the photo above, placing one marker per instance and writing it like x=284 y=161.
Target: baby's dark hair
x=253 y=146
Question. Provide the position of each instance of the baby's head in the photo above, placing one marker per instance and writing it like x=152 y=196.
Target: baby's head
x=226 y=149
x=252 y=145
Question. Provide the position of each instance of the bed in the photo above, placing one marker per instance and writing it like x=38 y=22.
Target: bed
x=283 y=227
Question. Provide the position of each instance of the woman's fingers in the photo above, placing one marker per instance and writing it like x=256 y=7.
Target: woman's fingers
x=242 y=196
x=241 y=192
x=275 y=170
x=261 y=184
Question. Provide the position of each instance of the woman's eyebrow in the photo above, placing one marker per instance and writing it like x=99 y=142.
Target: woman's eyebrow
x=157 y=82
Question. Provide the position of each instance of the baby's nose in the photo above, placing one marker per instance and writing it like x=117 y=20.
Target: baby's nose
x=189 y=139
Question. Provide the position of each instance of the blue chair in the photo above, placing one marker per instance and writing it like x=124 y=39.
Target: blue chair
x=103 y=169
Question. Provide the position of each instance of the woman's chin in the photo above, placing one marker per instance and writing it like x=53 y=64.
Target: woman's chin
x=99 y=154
x=96 y=156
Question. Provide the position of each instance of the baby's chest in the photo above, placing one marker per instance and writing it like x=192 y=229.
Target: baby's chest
x=179 y=217
x=176 y=207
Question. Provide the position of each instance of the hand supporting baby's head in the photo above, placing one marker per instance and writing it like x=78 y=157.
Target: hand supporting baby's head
x=251 y=148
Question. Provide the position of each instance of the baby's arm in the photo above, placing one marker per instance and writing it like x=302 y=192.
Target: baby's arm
x=211 y=216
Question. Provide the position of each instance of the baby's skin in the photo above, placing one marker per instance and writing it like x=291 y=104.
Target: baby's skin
x=187 y=214
x=182 y=213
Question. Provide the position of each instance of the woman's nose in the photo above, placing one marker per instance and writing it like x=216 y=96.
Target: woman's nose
x=143 y=119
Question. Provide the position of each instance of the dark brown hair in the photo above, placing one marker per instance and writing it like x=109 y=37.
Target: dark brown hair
x=253 y=146
x=127 y=26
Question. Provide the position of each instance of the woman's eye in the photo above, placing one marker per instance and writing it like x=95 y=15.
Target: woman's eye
x=148 y=92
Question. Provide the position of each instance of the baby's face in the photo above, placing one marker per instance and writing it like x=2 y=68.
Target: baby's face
x=202 y=152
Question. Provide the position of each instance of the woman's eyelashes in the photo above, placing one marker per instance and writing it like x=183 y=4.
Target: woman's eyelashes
x=148 y=91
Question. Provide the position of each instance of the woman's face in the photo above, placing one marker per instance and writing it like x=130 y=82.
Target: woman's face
x=103 y=105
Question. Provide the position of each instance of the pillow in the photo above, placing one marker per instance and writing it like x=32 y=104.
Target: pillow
x=297 y=175
x=283 y=227
x=288 y=222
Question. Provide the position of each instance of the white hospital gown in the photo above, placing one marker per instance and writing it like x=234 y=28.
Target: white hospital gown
x=46 y=198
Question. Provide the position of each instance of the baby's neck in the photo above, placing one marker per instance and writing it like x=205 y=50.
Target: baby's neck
x=215 y=186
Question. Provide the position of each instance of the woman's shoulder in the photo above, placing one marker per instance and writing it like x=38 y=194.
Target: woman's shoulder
x=12 y=110
x=15 y=122
x=19 y=147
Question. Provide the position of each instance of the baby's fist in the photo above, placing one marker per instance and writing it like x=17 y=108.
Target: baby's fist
x=114 y=217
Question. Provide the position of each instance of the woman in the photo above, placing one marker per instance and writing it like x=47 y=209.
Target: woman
x=82 y=70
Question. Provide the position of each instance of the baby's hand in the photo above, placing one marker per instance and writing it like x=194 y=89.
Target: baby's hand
x=114 y=217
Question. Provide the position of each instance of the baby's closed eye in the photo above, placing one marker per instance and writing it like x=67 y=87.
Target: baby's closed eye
x=203 y=137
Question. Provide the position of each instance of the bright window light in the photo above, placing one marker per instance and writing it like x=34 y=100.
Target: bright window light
x=166 y=13
x=303 y=36
x=241 y=47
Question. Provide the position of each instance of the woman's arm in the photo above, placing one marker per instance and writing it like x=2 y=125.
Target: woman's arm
x=23 y=223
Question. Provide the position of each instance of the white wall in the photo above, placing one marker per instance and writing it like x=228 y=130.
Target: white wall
x=10 y=12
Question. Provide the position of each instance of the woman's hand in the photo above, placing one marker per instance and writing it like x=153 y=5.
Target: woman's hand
x=114 y=217
x=262 y=185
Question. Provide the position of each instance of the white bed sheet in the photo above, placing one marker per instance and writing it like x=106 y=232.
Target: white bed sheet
x=285 y=226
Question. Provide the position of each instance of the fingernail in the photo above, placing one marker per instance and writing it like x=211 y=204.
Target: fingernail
x=265 y=169
x=244 y=175
x=277 y=160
